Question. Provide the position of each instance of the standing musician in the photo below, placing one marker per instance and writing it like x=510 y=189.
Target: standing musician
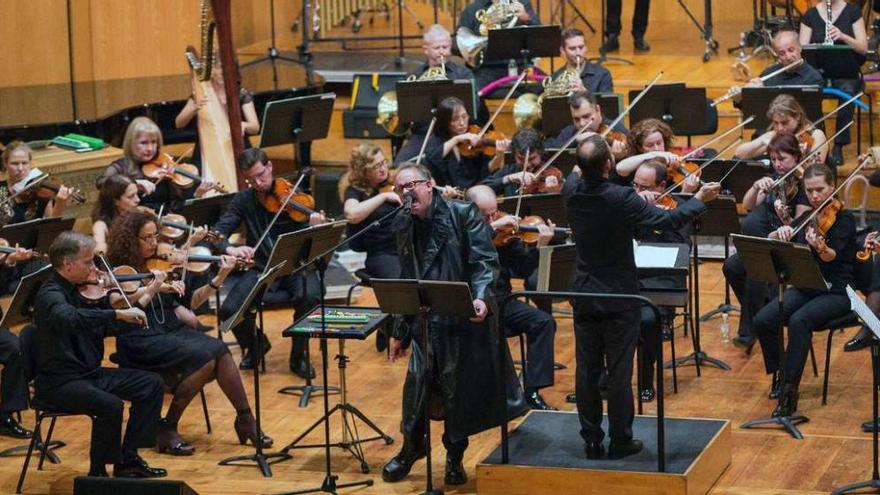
x=604 y=218
x=448 y=241
x=650 y=181
x=303 y=289
x=525 y=16
x=142 y=145
x=584 y=106
x=768 y=211
x=831 y=236
x=639 y=26
x=508 y=180
x=185 y=358
x=18 y=165
x=592 y=77
x=786 y=115
x=455 y=156
x=847 y=27
x=788 y=51
x=516 y=259
x=67 y=348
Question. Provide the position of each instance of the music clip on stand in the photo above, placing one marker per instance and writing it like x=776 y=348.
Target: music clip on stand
x=261 y=459
x=781 y=263
x=285 y=122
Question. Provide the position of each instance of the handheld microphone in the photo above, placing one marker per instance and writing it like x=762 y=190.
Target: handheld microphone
x=402 y=219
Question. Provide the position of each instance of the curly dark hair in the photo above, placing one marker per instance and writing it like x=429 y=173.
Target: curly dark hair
x=645 y=128
x=112 y=189
x=122 y=245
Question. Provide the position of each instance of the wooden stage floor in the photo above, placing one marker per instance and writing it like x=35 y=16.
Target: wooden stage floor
x=834 y=452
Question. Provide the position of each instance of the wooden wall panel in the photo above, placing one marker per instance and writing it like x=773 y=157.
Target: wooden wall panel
x=33 y=37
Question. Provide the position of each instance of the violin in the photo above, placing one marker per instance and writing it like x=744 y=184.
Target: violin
x=526 y=231
x=611 y=134
x=678 y=173
x=5 y=249
x=826 y=217
x=198 y=259
x=173 y=227
x=300 y=206
x=666 y=202
x=184 y=175
x=806 y=140
x=539 y=184
x=486 y=145
x=46 y=189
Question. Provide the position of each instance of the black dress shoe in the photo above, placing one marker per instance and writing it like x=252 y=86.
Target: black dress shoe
x=400 y=465
x=247 y=361
x=835 y=158
x=535 y=401
x=857 y=344
x=571 y=398
x=612 y=44
x=745 y=343
x=137 y=468
x=381 y=341
x=9 y=427
x=594 y=450
x=640 y=44
x=868 y=426
x=99 y=472
x=647 y=395
x=788 y=403
x=619 y=450
x=302 y=368
x=455 y=474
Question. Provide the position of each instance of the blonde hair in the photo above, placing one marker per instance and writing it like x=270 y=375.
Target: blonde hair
x=360 y=163
x=787 y=105
x=12 y=148
x=138 y=127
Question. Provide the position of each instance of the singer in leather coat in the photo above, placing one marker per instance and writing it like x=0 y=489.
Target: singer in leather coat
x=456 y=246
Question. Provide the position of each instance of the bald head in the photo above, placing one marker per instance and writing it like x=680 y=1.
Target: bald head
x=484 y=197
x=787 y=47
x=437 y=45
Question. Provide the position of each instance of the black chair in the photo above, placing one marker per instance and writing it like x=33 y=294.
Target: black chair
x=42 y=411
x=363 y=280
x=838 y=324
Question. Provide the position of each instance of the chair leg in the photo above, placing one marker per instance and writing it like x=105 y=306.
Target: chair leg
x=48 y=440
x=674 y=367
x=813 y=360
x=522 y=354
x=827 y=367
x=27 y=458
x=350 y=292
x=205 y=410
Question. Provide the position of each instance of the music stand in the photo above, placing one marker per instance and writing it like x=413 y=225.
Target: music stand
x=737 y=183
x=756 y=101
x=682 y=108
x=720 y=219
x=47 y=233
x=781 y=263
x=24 y=234
x=302 y=246
x=556 y=115
x=284 y=122
x=547 y=206
x=416 y=100
x=420 y=298
x=262 y=460
x=870 y=320
x=833 y=61
x=523 y=43
x=205 y=211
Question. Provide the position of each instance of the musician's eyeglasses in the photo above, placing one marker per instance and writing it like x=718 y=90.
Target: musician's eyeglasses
x=150 y=237
x=409 y=186
x=383 y=163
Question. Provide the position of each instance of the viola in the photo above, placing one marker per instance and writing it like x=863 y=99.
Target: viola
x=46 y=189
x=526 y=231
x=300 y=206
x=539 y=185
x=173 y=227
x=486 y=145
x=184 y=175
x=198 y=259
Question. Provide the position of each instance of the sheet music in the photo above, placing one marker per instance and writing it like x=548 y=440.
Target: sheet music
x=655 y=256
x=865 y=314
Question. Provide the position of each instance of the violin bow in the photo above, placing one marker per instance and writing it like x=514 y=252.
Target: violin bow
x=564 y=147
x=186 y=246
x=708 y=162
x=522 y=186
x=427 y=138
x=833 y=112
x=632 y=104
x=808 y=157
x=176 y=162
x=118 y=287
x=717 y=138
x=503 y=102
x=280 y=210
x=830 y=197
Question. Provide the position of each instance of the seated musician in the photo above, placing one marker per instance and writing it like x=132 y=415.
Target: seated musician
x=788 y=50
x=649 y=139
x=452 y=155
x=786 y=115
x=507 y=180
x=848 y=28
x=186 y=359
x=650 y=181
x=831 y=235
x=141 y=145
x=250 y=124
x=519 y=260
x=68 y=346
x=13 y=387
x=118 y=195
x=767 y=213
x=17 y=163
x=302 y=289
x=584 y=106
x=591 y=77
x=525 y=16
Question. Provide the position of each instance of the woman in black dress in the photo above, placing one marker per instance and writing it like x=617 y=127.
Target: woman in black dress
x=848 y=28
x=186 y=359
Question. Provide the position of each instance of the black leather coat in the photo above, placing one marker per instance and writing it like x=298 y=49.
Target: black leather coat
x=465 y=355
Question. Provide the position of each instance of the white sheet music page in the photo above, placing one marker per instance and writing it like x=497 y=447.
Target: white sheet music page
x=865 y=314
x=655 y=256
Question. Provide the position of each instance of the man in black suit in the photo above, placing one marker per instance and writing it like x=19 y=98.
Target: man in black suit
x=604 y=218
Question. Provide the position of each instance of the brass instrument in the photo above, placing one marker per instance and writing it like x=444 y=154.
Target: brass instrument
x=527 y=107
x=501 y=14
x=387 y=110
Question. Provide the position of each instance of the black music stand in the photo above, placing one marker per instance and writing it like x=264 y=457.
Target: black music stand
x=351 y=440
x=781 y=263
x=301 y=246
x=720 y=219
x=556 y=115
x=522 y=43
x=24 y=234
x=756 y=101
x=833 y=61
x=683 y=108
x=738 y=182
x=284 y=122
x=256 y=294
x=870 y=320
x=205 y=211
x=416 y=100
x=421 y=298
x=548 y=206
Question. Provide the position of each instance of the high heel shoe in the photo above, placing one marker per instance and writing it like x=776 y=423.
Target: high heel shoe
x=246 y=429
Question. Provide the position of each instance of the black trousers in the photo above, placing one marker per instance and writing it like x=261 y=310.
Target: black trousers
x=302 y=289
x=639 y=20
x=382 y=265
x=605 y=339
x=845 y=114
x=752 y=295
x=648 y=345
x=101 y=398
x=13 y=387
x=804 y=311
x=540 y=330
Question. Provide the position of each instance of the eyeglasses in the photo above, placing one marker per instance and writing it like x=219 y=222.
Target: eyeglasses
x=148 y=238
x=383 y=163
x=409 y=186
